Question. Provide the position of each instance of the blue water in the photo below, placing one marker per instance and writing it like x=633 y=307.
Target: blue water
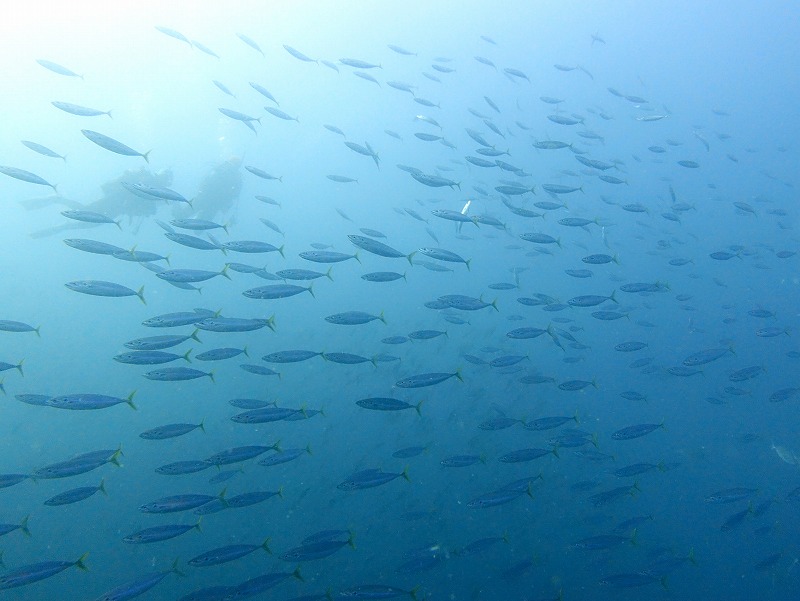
x=715 y=86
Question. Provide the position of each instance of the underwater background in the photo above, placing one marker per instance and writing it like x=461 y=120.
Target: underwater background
x=556 y=351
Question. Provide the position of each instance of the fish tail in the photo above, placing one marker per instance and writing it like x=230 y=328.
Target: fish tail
x=23 y=525
x=174 y=567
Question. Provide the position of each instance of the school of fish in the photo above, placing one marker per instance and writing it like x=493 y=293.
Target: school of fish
x=489 y=377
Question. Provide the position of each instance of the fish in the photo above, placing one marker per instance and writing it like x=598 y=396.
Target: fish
x=427 y=379
x=159 y=533
x=250 y=42
x=103 y=288
x=636 y=431
x=251 y=246
x=237 y=116
x=370 y=478
x=203 y=48
x=383 y=276
x=224 y=89
x=354 y=318
x=31 y=573
x=259 y=584
x=347 y=358
x=81 y=111
x=8 y=325
x=191 y=275
x=524 y=455
x=435 y=181
x=499 y=497
x=401 y=50
x=315 y=549
x=298 y=55
x=80 y=464
x=443 y=255
x=367 y=77
x=113 y=145
x=26 y=176
x=74 y=495
x=263 y=91
x=730 y=495
x=43 y=150
x=233 y=324
x=170 y=431
x=706 y=356
x=139 y=585
x=388 y=404
x=220 y=354
x=277 y=291
x=284 y=456
x=276 y=112
x=562 y=120
x=177 y=503
x=358 y=63
x=266 y=414
x=88 y=401
x=177 y=374
x=57 y=68
x=378 y=248
x=225 y=554
x=90 y=217
x=321 y=256
x=155 y=192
